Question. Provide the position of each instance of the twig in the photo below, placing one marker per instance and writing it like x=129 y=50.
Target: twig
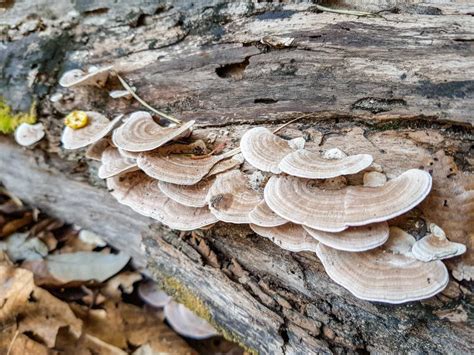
x=290 y=122
x=10 y=347
x=140 y=100
x=346 y=12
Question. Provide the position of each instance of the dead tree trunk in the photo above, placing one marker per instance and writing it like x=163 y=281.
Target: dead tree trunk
x=397 y=85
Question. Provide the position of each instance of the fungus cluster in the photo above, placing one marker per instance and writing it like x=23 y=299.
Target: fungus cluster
x=302 y=200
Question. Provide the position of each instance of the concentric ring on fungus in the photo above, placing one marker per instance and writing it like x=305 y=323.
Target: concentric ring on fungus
x=231 y=199
x=263 y=149
x=389 y=273
x=188 y=195
x=354 y=239
x=305 y=164
x=98 y=127
x=114 y=164
x=142 y=194
x=288 y=236
x=263 y=216
x=140 y=133
x=299 y=201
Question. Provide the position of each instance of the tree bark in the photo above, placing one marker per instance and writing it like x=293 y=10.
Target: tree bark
x=397 y=86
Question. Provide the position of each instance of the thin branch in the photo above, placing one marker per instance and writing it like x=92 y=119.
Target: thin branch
x=346 y=12
x=140 y=100
x=10 y=347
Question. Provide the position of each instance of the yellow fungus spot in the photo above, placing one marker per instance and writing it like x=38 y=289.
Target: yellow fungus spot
x=76 y=119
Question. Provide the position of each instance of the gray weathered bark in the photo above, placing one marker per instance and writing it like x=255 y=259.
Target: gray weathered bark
x=398 y=87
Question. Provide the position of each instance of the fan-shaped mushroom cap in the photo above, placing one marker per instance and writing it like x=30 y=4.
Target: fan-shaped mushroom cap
x=436 y=246
x=98 y=127
x=288 y=236
x=310 y=165
x=114 y=164
x=231 y=199
x=77 y=77
x=176 y=168
x=188 y=195
x=186 y=323
x=263 y=149
x=127 y=154
x=29 y=134
x=140 y=133
x=353 y=239
x=374 y=179
x=301 y=202
x=151 y=294
x=118 y=94
x=95 y=150
x=388 y=274
x=263 y=216
x=142 y=194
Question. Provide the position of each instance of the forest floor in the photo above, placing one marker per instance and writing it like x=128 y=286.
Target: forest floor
x=64 y=290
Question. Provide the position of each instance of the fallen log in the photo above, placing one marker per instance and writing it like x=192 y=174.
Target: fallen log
x=394 y=86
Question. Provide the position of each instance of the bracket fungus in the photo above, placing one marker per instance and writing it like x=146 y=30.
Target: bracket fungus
x=354 y=239
x=98 y=127
x=288 y=236
x=263 y=149
x=310 y=165
x=140 y=133
x=263 y=216
x=231 y=199
x=77 y=77
x=389 y=273
x=186 y=323
x=114 y=164
x=180 y=169
x=95 y=150
x=436 y=246
x=299 y=201
x=142 y=194
x=28 y=134
x=151 y=294
x=188 y=195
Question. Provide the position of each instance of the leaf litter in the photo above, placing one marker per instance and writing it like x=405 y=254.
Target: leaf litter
x=64 y=290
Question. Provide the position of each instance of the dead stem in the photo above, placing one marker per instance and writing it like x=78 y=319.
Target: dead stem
x=140 y=100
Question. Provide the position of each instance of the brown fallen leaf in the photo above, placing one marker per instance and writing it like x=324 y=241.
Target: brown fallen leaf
x=12 y=342
x=16 y=285
x=16 y=224
x=122 y=283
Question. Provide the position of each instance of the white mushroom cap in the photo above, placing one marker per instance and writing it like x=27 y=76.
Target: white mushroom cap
x=374 y=179
x=263 y=216
x=301 y=202
x=151 y=294
x=114 y=164
x=176 y=168
x=188 y=195
x=77 y=77
x=288 y=236
x=263 y=149
x=95 y=150
x=310 y=165
x=98 y=127
x=186 y=323
x=29 y=134
x=231 y=199
x=353 y=239
x=389 y=274
x=436 y=246
x=141 y=133
x=142 y=194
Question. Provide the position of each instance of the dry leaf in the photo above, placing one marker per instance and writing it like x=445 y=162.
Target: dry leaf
x=16 y=224
x=16 y=285
x=19 y=344
x=123 y=282
x=84 y=266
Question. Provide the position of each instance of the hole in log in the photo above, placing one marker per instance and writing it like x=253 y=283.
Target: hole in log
x=265 y=101
x=376 y=105
x=234 y=70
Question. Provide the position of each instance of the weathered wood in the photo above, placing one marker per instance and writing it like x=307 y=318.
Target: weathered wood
x=397 y=87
